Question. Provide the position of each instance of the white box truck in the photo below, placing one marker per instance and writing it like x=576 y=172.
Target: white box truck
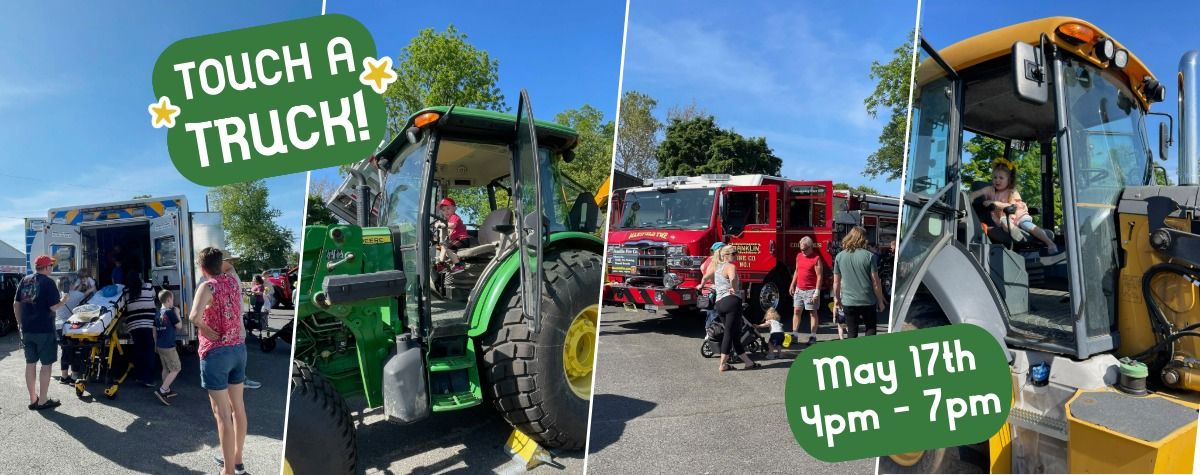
x=157 y=237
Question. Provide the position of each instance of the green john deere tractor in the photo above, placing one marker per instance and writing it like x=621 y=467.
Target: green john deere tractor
x=378 y=317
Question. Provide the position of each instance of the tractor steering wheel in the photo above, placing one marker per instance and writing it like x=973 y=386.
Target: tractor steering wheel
x=1093 y=175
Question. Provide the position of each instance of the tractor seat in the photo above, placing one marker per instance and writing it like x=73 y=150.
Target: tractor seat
x=489 y=239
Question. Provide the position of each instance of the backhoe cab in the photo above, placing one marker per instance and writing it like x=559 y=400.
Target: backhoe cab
x=1066 y=90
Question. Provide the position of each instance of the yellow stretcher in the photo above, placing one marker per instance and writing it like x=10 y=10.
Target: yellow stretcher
x=92 y=343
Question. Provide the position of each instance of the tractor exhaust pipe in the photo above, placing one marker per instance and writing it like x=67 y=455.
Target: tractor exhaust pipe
x=1189 y=119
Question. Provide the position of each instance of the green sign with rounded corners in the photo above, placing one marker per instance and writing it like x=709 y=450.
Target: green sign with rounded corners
x=899 y=392
x=271 y=100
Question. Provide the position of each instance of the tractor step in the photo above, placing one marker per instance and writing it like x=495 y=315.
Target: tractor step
x=453 y=374
x=455 y=401
x=452 y=363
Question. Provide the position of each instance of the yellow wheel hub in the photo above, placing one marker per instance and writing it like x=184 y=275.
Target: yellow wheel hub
x=907 y=459
x=579 y=351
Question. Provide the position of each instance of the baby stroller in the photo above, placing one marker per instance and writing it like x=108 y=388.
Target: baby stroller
x=256 y=323
x=752 y=341
x=92 y=343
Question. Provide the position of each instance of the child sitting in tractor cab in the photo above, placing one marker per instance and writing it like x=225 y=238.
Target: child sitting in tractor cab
x=455 y=237
x=1003 y=193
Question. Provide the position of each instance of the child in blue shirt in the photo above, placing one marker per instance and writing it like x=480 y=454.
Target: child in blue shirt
x=165 y=325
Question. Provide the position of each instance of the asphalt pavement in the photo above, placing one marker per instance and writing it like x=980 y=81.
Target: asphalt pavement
x=135 y=432
x=467 y=441
x=660 y=407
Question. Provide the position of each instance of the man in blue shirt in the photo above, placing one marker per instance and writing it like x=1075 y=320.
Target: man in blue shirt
x=35 y=304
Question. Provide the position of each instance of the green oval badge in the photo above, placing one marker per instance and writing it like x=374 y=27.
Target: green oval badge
x=899 y=392
x=271 y=100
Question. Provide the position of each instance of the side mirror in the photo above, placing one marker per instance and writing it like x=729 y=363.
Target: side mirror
x=568 y=156
x=1164 y=139
x=413 y=134
x=1029 y=73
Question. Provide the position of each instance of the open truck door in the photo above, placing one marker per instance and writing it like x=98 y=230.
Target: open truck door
x=532 y=222
x=165 y=266
x=65 y=244
x=35 y=241
x=930 y=202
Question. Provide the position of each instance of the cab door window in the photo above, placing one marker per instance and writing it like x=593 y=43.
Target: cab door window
x=747 y=208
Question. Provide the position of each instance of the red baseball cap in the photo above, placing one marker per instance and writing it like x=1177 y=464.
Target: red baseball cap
x=43 y=261
x=447 y=201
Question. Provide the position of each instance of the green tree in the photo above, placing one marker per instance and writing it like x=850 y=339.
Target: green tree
x=593 y=153
x=699 y=146
x=317 y=212
x=638 y=137
x=251 y=232
x=442 y=68
x=860 y=188
x=890 y=97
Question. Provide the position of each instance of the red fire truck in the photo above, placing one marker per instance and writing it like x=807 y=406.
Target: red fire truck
x=664 y=230
x=879 y=215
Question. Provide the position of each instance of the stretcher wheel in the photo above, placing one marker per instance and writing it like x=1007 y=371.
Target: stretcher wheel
x=111 y=391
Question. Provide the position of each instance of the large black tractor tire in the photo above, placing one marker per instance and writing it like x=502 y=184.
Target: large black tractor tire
x=323 y=440
x=524 y=371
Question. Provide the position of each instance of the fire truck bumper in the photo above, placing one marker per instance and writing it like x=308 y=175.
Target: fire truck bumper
x=653 y=298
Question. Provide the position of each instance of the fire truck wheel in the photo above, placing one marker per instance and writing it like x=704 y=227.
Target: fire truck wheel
x=772 y=289
x=541 y=382
x=327 y=441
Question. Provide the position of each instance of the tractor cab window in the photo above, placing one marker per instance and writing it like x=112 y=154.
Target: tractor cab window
x=1108 y=152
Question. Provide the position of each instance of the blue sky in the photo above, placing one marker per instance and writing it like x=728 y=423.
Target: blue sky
x=793 y=72
x=1156 y=35
x=73 y=95
x=566 y=54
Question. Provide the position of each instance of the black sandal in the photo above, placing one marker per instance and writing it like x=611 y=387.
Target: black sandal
x=755 y=365
x=728 y=367
x=49 y=404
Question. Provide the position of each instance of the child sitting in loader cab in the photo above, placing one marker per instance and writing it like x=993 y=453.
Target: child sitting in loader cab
x=1003 y=193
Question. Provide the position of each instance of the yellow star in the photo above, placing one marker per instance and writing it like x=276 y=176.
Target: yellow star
x=377 y=73
x=162 y=113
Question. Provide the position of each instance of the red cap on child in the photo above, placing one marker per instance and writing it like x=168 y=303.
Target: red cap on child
x=447 y=201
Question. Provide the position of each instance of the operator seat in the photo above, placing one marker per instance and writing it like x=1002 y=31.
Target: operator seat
x=475 y=259
x=488 y=237
x=584 y=213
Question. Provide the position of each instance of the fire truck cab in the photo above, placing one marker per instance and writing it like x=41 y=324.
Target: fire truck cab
x=660 y=234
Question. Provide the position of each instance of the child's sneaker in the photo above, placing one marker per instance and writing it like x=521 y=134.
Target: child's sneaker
x=812 y=340
x=170 y=393
x=162 y=397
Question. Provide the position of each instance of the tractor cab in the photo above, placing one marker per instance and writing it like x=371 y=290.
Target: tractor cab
x=1068 y=104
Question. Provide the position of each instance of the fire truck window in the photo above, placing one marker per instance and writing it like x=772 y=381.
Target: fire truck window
x=806 y=213
x=746 y=208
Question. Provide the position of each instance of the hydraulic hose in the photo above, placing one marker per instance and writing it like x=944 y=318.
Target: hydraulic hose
x=1158 y=320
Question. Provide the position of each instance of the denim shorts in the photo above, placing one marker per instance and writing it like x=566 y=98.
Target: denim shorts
x=223 y=366
x=40 y=347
